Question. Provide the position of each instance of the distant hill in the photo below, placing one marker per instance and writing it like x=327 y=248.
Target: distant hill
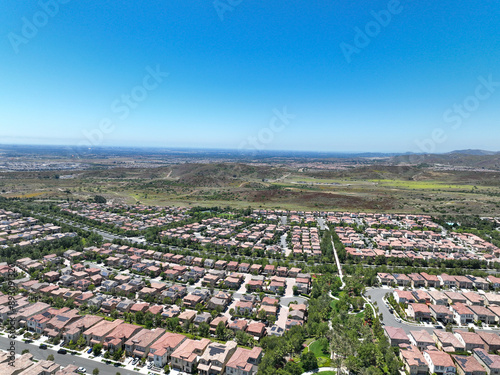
x=474 y=152
x=464 y=158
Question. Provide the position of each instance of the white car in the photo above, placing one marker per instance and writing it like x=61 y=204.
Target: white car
x=81 y=370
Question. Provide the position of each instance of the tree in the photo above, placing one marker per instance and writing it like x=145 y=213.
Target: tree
x=220 y=331
x=100 y=199
x=25 y=351
x=309 y=361
x=95 y=371
x=293 y=368
x=261 y=315
x=50 y=357
x=97 y=348
x=204 y=329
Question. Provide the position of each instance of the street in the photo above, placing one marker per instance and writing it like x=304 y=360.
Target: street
x=64 y=359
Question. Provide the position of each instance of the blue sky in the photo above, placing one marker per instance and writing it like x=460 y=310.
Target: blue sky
x=68 y=67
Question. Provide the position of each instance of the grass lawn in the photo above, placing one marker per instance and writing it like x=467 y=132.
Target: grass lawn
x=316 y=349
x=323 y=359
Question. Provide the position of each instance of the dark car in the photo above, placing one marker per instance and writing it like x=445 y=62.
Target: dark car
x=61 y=351
x=43 y=346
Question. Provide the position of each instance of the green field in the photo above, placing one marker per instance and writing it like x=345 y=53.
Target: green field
x=323 y=358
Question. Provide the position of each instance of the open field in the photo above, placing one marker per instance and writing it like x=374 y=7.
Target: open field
x=269 y=185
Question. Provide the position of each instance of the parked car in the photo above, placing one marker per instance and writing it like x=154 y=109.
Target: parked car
x=62 y=351
x=43 y=346
x=81 y=370
x=89 y=351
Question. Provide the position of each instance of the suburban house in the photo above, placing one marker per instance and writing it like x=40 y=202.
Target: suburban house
x=115 y=340
x=491 y=341
x=419 y=311
x=441 y=313
x=468 y=365
x=161 y=350
x=396 y=336
x=447 y=341
x=244 y=361
x=439 y=362
x=75 y=329
x=421 y=339
x=470 y=340
x=215 y=357
x=491 y=362
x=97 y=333
x=185 y=357
x=139 y=345
x=414 y=361
x=462 y=314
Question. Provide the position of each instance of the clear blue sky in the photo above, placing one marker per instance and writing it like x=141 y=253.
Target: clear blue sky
x=231 y=69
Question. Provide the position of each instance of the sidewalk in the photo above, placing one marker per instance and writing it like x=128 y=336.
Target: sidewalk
x=88 y=356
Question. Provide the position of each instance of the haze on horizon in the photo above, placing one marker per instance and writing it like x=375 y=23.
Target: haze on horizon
x=378 y=76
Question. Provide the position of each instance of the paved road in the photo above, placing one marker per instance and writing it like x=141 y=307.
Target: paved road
x=376 y=295
x=65 y=359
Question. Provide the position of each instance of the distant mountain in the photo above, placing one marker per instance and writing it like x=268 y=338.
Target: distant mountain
x=474 y=152
x=465 y=158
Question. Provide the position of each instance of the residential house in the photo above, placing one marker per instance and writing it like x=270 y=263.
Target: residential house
x=438 y=298
x=462 y=314
x=447 y=341
x=187 y=316
x=238 y=325
x=244 y=361
x=385 y=278
x=214 y=323
x=468 y=365
x=161 y=350
x=114 y=341
x=491 y=362
x=96 y=333
x=256 y=329
x=421 y=339
x=396 y=335
x=470 y=340
x=431 y=281
x=441 y=313
x=439 y=362
x=491 y=341
x=185 y=357
x=483 y=314
x=419 y=311
x=139 y=345
x=75 y=329
x=414 y=362
x=215 y=357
